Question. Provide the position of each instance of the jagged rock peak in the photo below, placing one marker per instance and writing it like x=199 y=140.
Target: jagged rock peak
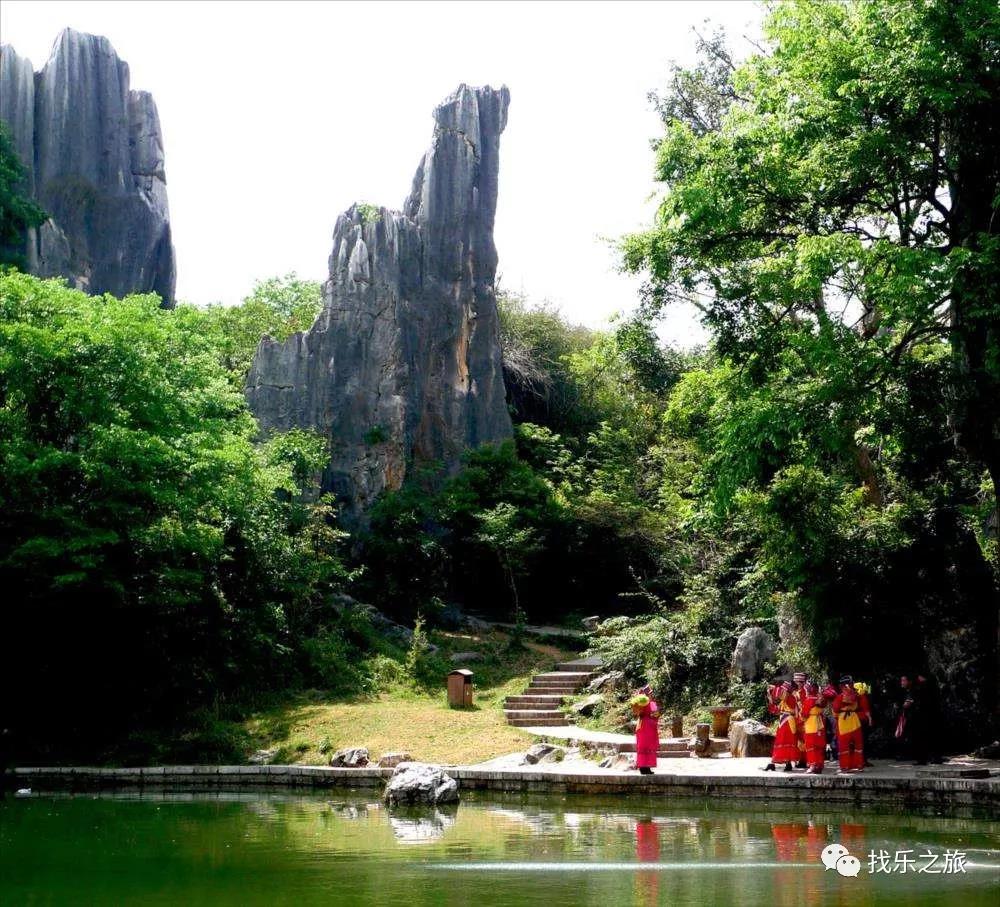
x=402 y=366
x=93 y=150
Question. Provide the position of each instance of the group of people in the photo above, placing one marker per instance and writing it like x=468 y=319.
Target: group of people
x=809 y=717
x=815 y=722
x=836 y=720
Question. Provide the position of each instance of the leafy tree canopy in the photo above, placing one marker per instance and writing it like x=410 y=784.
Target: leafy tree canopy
x=17 y=212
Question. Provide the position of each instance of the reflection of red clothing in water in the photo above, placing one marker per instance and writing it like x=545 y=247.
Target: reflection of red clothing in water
x=786 y=840
x=815 y=842
x=647 y=850
x=787 y=879
x=647 y=736
x=852 y=836
x=647 y=841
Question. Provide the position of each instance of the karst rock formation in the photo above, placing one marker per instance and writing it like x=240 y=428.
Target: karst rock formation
x=402 y=367
x=94 y=157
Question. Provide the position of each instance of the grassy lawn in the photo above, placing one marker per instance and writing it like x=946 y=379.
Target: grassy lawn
x=309 y=728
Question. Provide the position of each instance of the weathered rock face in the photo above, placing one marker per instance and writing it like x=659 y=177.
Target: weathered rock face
x=352 y=757
x=403 y=366
x=750 y=738
x=414 y=783
x=94 y=155
x=754 y=648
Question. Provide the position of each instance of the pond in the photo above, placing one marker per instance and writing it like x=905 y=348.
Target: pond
x=346 y=848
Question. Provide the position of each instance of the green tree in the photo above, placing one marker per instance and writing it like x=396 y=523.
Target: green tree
x=154 y=559
x=830 y=204
x=512 y=544
x=277 y=307
x=17 y=212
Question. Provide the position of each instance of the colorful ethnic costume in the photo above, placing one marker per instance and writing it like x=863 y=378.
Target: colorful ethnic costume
x=647 y=734
x=782 y=703
x=864 y=713
x=814 y=730
x=799 y=692
x=850 y=744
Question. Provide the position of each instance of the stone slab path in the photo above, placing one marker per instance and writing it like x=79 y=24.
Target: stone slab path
x=751 y=768
x=622 y=743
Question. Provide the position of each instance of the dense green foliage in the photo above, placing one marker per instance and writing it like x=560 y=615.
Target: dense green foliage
x=276 y=308
x=571 y=518
x=830 y=206
x=17 y=212
x=827 y=469
x=153 y=558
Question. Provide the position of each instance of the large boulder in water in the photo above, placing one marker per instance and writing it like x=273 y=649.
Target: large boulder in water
x=93 y=151
x=414 y=783
x=402 y=367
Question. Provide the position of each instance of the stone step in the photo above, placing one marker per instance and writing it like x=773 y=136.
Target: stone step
x=679 y=746
x=534 y=722
x=541 y=716
x=680 y=749
x=561 y=691
x=578 y=676
x=549 y=682
x=531 y=707
x=532 y=700
x=593 y=663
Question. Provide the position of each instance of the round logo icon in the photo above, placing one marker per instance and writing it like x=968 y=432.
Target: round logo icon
x=848 y=866
x=832 y=853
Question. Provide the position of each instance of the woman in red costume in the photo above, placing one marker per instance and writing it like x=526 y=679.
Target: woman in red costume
x=813 y=726
x=647 y=733
x=782 y=703
x=850 y=744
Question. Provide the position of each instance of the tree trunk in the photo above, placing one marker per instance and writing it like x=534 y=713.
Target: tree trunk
x=975 y=311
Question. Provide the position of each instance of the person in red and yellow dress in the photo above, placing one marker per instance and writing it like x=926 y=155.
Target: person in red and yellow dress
x=813 y=727
x=799 y=692
x=850 y=743
x=782 y=703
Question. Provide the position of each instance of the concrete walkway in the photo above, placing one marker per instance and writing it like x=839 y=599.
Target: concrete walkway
x=752 y=769
x=581 y=735
x=533 y=630
x=619 y=743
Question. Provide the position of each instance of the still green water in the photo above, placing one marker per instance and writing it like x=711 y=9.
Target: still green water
x=225 y=849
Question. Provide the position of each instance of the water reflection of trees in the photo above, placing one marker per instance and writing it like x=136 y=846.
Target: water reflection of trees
x=353 y=840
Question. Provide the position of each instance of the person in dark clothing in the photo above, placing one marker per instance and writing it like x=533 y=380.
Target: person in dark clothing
x=906 y=719
x=919 y=720
x=927 y=699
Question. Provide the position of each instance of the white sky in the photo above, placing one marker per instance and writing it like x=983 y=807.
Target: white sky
x=277 y=116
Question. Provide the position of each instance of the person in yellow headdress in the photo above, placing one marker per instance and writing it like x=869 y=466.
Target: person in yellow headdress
x=850 y=743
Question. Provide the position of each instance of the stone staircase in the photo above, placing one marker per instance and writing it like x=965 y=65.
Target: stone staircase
x=538 y=705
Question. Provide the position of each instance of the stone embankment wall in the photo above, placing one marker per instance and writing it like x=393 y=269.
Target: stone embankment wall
x=947 y=795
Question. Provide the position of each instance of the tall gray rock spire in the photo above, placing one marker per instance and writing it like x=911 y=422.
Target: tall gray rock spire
x=403 y=363
x=94 y=157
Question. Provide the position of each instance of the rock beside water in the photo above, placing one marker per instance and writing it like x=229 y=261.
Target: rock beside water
x=414 y=783
x=391 y=760
x=352 y=757
x=93 y=150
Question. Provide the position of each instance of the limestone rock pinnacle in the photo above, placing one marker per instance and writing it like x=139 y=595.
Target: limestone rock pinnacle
x=403 y=364
x=93 y=150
